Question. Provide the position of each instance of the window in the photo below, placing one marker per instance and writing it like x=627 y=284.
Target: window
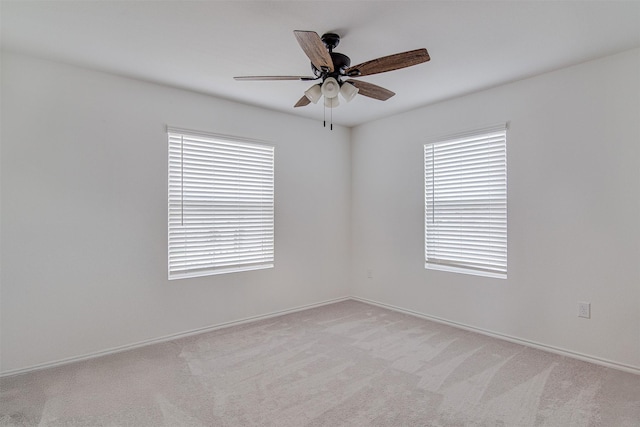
x=466 y=203
x=221 y=205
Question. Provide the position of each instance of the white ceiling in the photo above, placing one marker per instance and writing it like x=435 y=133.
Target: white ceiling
x=201 y=45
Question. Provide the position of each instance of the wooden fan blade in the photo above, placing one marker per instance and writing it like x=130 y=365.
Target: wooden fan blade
x=371 y=90
x=303 y=78
x=389 y=63
x=312 y=45
x=302 y=101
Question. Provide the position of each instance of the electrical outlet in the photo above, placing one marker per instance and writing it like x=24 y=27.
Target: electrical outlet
x=584 y=309
x=369 y=274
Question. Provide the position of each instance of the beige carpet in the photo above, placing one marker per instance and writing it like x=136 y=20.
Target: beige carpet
x=345 y=364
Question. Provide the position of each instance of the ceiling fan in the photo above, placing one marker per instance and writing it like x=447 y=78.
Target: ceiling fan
x=336 y=73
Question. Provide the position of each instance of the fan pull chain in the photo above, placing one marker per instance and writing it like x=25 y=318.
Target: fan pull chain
x=324 y=118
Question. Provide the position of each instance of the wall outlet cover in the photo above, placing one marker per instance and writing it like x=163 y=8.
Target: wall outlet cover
x=584 y=309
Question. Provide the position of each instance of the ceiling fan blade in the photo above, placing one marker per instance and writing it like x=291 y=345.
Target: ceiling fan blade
x=302 y=101
x=303 y=78
x=312 y=45
x=371 y=90
x=389 y=63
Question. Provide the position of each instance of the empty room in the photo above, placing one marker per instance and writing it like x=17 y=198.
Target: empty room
x=320 y=213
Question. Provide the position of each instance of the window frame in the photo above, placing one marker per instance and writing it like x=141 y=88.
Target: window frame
x=188 y=190
x=474 y=264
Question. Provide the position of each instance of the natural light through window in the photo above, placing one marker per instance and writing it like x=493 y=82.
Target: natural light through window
x=466 y=203
x=221 y=204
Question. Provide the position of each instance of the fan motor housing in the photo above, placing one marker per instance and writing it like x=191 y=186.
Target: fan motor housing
x=340 y=63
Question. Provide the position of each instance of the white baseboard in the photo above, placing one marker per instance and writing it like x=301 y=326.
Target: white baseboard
x=544 y=347
x=166 y=338
x=516 y=340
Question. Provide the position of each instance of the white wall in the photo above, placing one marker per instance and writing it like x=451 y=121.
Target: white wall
x=83 y=193
x=573 y=154
x=84 y=213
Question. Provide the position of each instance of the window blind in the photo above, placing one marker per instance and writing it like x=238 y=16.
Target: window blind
x=221 y=205
x=466 y=203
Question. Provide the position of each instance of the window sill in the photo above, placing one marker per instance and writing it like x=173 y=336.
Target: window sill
x=461 y=270
x=219 y=271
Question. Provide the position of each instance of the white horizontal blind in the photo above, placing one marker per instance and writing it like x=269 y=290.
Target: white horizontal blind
x=466 y=203
x=221 y=205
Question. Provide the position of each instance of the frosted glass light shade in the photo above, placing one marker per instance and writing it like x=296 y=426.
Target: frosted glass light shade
x=330 y=88
x=314 y=93
x=331 y=102
x=348 y=91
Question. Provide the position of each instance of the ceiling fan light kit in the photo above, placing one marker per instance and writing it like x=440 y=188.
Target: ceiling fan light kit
x=330 y=87
x=314 y=93
x=331 y=67
x=348 y=91
x=331 y=102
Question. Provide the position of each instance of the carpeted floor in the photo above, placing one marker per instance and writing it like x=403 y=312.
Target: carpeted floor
x=344 y=364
